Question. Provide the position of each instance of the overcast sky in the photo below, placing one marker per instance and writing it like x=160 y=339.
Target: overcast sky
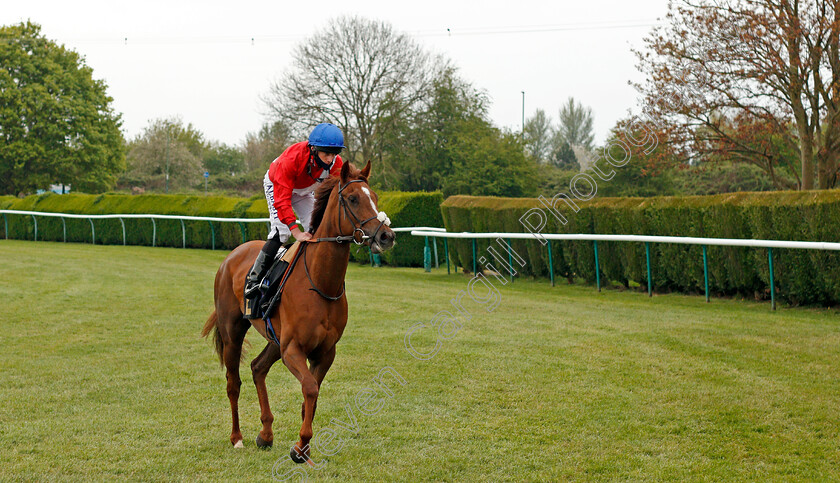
x=197 y=60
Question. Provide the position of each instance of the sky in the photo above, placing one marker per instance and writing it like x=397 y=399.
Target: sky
x=209 y=62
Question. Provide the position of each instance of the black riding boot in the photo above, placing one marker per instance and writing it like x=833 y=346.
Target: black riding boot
x=261 y=266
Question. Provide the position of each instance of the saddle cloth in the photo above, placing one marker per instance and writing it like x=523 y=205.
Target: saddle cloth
x=271 y=287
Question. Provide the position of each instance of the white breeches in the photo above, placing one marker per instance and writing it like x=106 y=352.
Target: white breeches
x=303 y=202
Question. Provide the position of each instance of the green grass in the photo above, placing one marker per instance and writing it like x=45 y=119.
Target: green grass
x=104 y=377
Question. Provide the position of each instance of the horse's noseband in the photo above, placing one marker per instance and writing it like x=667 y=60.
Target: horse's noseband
x=358 y=224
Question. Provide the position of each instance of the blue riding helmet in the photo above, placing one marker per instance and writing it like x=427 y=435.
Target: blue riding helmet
x=327 y=137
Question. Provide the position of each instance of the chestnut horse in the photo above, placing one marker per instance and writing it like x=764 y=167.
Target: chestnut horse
x=313 y=312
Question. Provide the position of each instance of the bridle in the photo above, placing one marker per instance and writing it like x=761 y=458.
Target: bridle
x=357 y=228
x=357 y=223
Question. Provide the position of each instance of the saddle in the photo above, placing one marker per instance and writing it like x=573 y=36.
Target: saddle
x=271 y=287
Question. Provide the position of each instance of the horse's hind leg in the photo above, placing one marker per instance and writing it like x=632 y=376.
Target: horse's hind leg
x=259 y=368
x=232 y=353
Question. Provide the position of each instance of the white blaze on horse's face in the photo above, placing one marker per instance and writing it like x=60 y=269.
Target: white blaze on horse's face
x=370 y=198
x=376 y=245
x=380 y=215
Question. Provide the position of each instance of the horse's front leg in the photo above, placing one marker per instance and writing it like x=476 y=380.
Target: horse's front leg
x=318 y=368
x=259 y=369
x=295 y=360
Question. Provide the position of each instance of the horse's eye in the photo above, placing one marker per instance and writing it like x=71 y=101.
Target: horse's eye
x=353 y=199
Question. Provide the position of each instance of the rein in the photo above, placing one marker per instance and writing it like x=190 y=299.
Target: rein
x=312 y=283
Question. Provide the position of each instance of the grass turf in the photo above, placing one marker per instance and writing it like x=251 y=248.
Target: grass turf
x=104 y=377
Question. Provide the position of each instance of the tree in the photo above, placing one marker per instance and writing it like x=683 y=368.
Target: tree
x=574 y=126
x=56 y=122
x=538 y=132
x=221 y=159
x=419 y=148
x=359 y=74
x=263 y=147
x=748 y=80
x=450 y=145
x=635 y=177
x=563 y=157
x=488 y=162
x=711 y=178
x=167 y=153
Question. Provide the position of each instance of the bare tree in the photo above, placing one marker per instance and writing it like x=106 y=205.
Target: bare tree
x=538 y=131
x=359 y=74
x=575 y=125
x=751 y=81
x=262 y=147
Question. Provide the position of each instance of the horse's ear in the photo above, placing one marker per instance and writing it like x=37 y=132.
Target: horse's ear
x=345 y=172
x=366 y=171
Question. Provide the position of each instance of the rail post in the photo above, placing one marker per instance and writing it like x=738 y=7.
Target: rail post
x=446 y=254
x=35 y=220
x=242 y=229
x=437 y=259
x=183 y=234
x=475 y=272
x=706 y=273
x=123 y=228
x=772 y=285
x=92 y=232
x=550 y=264
x=427 y=256
x=510 y=259
x=212 y=235
x=154 y=231
x=6 y=225
x=63 y=228
x=597 y=270
x=647 y=258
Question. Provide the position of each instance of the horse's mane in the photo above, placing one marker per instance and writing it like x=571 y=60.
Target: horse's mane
x=322 y=196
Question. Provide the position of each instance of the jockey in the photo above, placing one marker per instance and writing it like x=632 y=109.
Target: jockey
x=289 y=188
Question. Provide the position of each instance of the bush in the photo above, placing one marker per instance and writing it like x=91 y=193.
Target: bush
x=404 y=209
x=801 y=276
x=413 y=209
x=6 y=201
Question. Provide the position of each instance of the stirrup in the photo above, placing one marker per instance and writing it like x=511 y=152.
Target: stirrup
x=253 y=289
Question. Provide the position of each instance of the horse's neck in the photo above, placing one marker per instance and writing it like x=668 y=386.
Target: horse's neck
x=328 y=261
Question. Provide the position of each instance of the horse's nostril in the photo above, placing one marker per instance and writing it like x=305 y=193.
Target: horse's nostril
x=384 y=237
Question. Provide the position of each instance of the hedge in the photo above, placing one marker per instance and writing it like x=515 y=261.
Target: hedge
x=138 y=231
x=801 y=276
x=410 y=209
x=404 y=209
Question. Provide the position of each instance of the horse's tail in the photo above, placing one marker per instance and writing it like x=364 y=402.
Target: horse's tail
x=210 y=325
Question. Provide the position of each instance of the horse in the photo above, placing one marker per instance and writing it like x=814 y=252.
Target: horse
x=312 y=315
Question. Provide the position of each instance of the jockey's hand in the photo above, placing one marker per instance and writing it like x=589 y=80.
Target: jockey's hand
x=301 y=235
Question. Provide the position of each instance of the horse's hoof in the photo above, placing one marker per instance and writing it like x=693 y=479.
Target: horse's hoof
x=297 y=457
x=263 y=444
x=239 y=445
